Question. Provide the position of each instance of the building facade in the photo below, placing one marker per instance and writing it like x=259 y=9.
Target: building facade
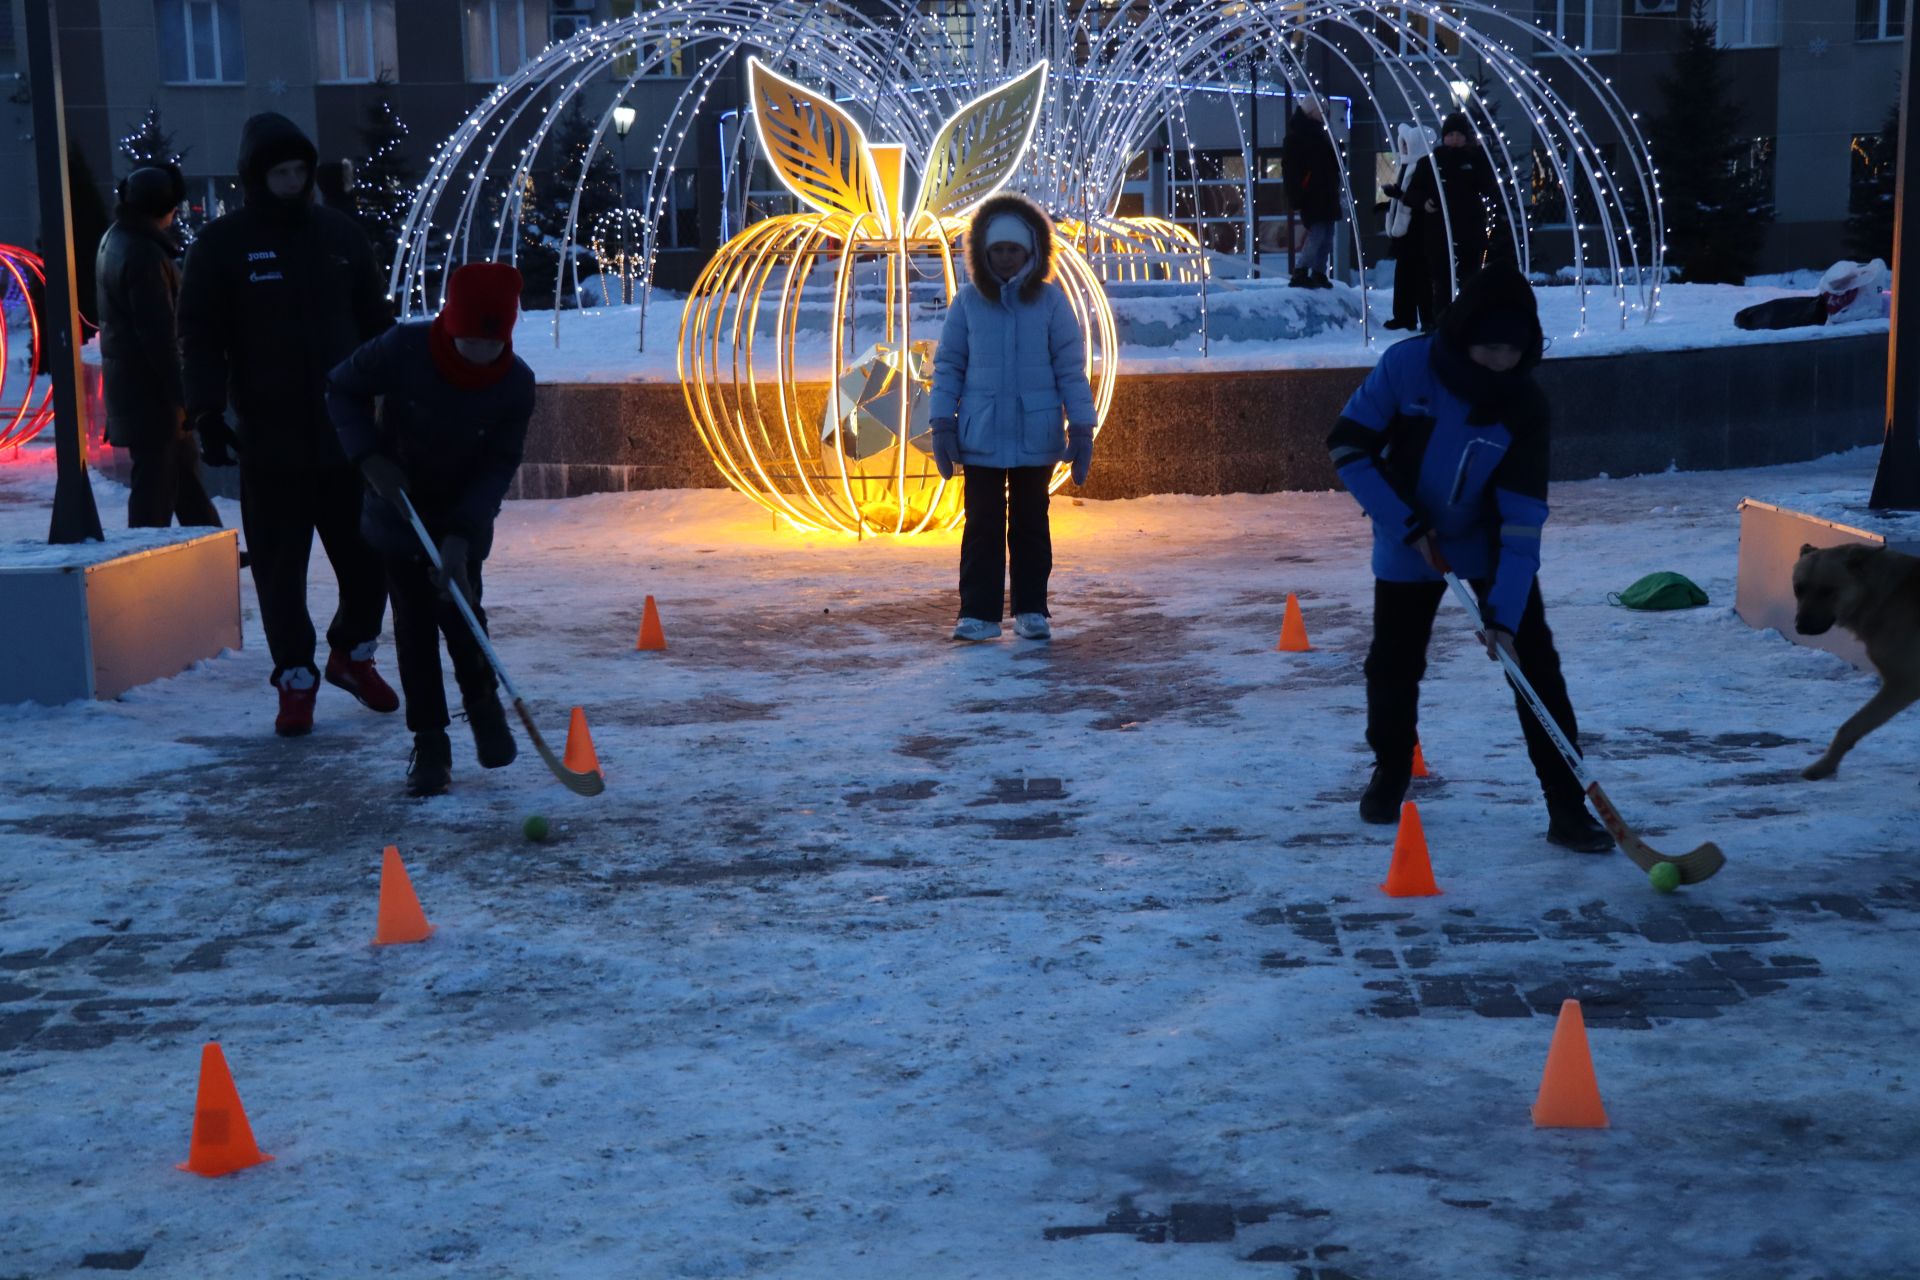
x=1812 y=77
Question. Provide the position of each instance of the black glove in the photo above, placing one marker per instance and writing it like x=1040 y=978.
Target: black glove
x=453 y=568
x=385 y=477
x=218 y=444
x=1392 y=190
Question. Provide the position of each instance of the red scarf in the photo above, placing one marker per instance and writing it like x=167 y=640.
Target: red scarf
x=457 y=369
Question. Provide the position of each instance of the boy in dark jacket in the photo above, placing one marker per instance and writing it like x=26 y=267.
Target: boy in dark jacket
x=450 y=433
x=275 y=294
x=1454 y=194
x=138 y=286
x=1446 y=448
x=1311 y=167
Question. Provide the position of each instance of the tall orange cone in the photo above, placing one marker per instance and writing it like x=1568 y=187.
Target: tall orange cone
x=1419 y=760
x=580 y=755
x=222 y=1139
x=1569 y=1095
x=651 y=637
x=1411 y=874
x=1293 y=628
x=401 y=919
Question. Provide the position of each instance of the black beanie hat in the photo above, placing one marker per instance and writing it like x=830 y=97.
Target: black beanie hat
x=1457 y=122
x=152 y=190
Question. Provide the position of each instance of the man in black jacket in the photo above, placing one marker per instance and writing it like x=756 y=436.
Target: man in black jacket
x=1311 y=167
x=137 y=287
x=1456 y=197
x=276 y=294
x=454 y=406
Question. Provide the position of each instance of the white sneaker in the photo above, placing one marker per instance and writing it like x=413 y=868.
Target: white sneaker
x=1032 y=626
x=975 y=630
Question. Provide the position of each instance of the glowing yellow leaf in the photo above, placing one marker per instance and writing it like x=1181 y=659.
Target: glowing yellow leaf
x=815 y=147
x=980 y=148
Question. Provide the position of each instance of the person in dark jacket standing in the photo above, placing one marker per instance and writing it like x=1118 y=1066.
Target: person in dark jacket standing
x=1455 y=197
x=1311 y=168
x=138 y=287
x=455 y=402
x=1446 y=448
x=275 y=294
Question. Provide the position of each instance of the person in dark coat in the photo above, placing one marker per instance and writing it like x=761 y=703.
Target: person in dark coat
x=1446 y=448
x=275 y=294
x=454 y=406
x=138 y=286
x=1311 y=167
x=1456 y=191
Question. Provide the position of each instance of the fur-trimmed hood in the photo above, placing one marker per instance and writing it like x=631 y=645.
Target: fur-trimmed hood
x=1041 y=270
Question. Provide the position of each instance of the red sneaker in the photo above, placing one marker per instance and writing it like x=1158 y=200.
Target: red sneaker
x=296 y=710
x=355 y=674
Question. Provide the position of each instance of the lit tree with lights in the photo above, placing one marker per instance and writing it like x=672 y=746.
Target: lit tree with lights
x=1717 y=212
x=383 y=184
x=149 y=143
x=1876 y=161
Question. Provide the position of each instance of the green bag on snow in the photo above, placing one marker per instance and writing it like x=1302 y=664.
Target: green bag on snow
x=1660 y=591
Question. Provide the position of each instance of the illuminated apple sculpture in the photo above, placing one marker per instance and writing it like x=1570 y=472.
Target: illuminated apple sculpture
x=851 y=294
x=22 y=413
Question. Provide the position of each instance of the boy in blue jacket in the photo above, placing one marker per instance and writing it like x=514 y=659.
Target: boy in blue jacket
x=450 y=432
x=1446 y=448
x=1010 y=402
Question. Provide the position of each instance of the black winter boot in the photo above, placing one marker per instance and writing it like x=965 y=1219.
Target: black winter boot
x=1570 y=826
x=431 y=769
x=1380 y=803
x=492 y=740
x=1298 y=280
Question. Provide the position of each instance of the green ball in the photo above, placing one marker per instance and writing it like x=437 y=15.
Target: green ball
x=535 y=828
x=1664 y=877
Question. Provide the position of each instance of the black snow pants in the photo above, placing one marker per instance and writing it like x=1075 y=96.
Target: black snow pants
x=1006 y=520
x=420 y=618
x=280 y=512
x=166 y=484
x=1412 y=283
x=1403 y=614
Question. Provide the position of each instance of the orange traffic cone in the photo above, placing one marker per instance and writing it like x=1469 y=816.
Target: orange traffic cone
x=401 y=919
x=580 y=755
x=1293 y=628
x=1419 y=760
x=651 y=637
x=1410 y=875
x=222 y=1139
x=1569 y=1095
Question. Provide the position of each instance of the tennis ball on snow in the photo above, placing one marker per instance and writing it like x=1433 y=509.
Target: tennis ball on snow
x=1664 y=877
x=535 y=828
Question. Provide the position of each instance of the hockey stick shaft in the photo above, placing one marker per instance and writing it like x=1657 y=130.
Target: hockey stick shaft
x=586 y=784
x=1568 y=752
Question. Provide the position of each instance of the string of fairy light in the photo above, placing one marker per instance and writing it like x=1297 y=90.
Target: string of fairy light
x=1125 y=76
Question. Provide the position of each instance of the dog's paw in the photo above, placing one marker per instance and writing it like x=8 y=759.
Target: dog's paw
x=1822 y=768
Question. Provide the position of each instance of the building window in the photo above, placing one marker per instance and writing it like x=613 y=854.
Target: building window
x=679 y=225
x=1590 y=26
x=1413 y=33
x=501 y=35
x=1879 y=19
x=1753 y=168
x=200 y=41
x=353 y=41
x=1746 y=24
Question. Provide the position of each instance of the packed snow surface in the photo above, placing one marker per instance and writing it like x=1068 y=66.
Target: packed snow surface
x=880 y=955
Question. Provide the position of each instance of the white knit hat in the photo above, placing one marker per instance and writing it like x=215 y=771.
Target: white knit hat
x=1010 y=228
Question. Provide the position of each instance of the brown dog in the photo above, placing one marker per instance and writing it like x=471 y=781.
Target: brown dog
x=1875 y=594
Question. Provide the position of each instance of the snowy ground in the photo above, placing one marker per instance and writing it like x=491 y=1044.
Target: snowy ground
x=880 y=956
x=598 y=345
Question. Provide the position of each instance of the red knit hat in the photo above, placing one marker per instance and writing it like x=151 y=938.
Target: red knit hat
x=483 y=301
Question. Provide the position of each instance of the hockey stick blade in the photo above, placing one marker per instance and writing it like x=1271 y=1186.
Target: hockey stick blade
x=1693 y=867
x=581 y=784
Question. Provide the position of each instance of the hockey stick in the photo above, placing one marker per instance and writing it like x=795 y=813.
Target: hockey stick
x=1693 y=867
x=585 y=784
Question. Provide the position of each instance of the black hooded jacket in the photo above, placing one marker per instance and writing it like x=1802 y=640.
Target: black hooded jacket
x=138 y=284
x=1311 y=168
x=275 y=295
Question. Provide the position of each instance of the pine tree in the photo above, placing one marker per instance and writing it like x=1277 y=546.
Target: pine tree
x=383 y=183
x=149 y=143
x=1716 y=210
x=1870 y=202
x=554 y=180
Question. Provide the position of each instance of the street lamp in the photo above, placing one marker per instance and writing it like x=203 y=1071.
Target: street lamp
x=623 y=117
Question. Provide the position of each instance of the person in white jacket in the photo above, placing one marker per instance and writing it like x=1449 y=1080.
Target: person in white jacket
x=1412 y=295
